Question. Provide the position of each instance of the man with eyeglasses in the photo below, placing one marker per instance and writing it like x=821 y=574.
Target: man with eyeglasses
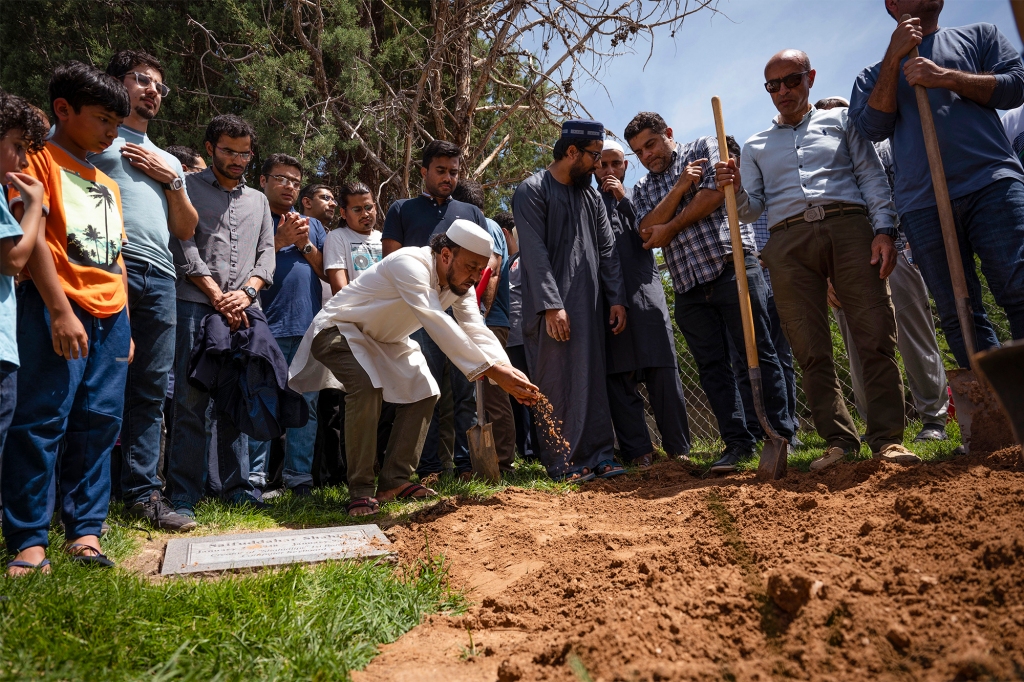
x=317 y=201
x=221 y=269
x=570 y=270
x=156 y=207
x=830 y=218
x=970 y=72
x=680 y=209
x=290 y=306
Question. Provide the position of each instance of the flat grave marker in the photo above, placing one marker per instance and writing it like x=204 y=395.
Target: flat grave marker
x=274 y=548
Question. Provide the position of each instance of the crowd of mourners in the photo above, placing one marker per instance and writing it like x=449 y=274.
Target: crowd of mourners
x=216 y=339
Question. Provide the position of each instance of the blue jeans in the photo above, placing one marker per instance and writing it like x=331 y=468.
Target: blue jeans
x=708 y=315
x=70 y=411
x=151 y=303
x=8 y=399
x=298 y=447
x=989 y=223
x=464 y=396
x=188 y=452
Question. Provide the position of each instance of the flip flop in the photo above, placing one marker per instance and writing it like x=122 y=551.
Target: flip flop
x=608 y=469
x=33 y=568
x=408 y=492
x=363 y=502
x=98 y=559
x=575 y=475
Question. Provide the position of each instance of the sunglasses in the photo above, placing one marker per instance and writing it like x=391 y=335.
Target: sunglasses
x=790 y=81
x=145 y=81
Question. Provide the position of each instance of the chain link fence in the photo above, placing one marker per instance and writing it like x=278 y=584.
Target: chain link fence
x=703 y=425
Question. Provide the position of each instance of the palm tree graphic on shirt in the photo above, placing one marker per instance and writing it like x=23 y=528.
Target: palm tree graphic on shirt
x=93 y=217
x=105 y=200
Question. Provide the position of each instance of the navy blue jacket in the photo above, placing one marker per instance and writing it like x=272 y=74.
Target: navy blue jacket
x=247 y=376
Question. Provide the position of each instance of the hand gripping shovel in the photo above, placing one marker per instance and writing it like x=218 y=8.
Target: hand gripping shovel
x=482 y=454
x=983 y=427
x=776 y=449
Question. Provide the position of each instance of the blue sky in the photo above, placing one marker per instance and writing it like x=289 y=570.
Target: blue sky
x=725 y=54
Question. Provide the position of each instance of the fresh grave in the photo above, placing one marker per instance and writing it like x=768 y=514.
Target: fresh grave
x=275 y=548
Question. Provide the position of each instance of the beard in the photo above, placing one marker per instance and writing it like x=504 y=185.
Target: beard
x=145 y=112
x=456 y=289
x=581 y=178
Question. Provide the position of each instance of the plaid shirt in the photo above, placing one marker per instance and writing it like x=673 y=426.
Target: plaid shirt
x=698 y=254
x=761 y=234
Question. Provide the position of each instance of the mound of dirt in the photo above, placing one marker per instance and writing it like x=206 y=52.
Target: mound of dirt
x=868 y=571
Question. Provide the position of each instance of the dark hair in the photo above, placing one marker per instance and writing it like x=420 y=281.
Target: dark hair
x=83 y=85
x=123 y=61
x=440 y=148
x=309 y=190
x=505 y=220
x=645 y=120
x=17 y=114
x=831 y=103
x=186 y=155
x=280 y=160
x=563 y=144
x=733 y=146
x=443 y=241
x=469 y=192
x=230 y=125
x=350 y=189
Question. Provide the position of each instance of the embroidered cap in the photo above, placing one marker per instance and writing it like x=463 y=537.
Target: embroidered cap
x=579 y=128
x=469 y=235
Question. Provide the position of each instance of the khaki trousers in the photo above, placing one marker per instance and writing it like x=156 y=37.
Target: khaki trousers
x=800 y=258
x=498 y=411
x=362 y=412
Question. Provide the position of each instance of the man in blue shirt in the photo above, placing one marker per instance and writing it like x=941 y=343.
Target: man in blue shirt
x=970 y=72
x=290 y=305
x=156 y=207
x=411 y=222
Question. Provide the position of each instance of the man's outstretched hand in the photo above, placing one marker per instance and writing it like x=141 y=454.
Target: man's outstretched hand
x=514 y=382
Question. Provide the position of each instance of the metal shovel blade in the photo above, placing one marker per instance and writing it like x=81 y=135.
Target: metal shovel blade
x=1003 y=369
x=983 y=425
x=482 y=454
x=774 y=460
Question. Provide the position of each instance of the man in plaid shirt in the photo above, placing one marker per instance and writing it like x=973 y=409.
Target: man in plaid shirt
x=680 y=209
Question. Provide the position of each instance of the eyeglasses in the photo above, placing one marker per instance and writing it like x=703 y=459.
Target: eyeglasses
x=595 y=155
x=790 y=81
x=145 y=81
x=285 y=180
x=231 y=153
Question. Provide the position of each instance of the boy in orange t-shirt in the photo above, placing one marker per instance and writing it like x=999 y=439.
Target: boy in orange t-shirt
x=74 y=339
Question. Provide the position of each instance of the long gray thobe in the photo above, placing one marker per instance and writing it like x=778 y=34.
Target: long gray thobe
x=568 y=262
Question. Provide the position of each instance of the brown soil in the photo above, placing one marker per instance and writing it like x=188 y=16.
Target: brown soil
x=867 y=571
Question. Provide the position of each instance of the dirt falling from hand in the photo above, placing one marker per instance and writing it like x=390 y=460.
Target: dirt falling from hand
x=549 y=428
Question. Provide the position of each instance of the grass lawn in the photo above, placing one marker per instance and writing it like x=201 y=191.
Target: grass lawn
x=310 y=622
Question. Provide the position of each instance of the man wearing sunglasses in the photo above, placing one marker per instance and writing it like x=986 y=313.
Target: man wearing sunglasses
x=970 y=72
x=830 y=217
x=156 y=207
x=680 y=209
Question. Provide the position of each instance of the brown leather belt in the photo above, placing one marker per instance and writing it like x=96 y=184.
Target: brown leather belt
x=817 y=213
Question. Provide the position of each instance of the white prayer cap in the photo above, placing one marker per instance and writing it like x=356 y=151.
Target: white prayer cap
x=613 y=146
x=469 y=235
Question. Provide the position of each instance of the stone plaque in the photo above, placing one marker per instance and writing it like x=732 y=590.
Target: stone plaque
x=225 y=552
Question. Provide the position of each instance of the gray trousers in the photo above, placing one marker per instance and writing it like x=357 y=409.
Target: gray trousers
x=915 y=329
x=362 y=412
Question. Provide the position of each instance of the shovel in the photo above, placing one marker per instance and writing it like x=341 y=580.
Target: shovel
x=775 y=451
x=983 y=427
x=482 y=454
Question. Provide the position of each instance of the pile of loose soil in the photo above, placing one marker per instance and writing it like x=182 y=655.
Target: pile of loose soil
x=866 y=571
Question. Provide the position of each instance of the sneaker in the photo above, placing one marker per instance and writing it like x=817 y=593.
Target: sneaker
x=931 y=432
x=270 y=494
x=161 y=515
x=730 y=460
x=795 y=443
x=247 y=500
x=832 y=456
x=898 y=454
x=302 y=490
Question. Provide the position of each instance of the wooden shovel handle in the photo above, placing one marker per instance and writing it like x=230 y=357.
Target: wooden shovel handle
x=746 y=314
x=949 y=237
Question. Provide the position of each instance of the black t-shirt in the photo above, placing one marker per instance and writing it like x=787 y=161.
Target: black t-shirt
x=412 y=222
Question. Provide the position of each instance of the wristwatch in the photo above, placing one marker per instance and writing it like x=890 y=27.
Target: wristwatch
x=890 y=232
x=250 y=292
x=308 y=248
x=174 y=185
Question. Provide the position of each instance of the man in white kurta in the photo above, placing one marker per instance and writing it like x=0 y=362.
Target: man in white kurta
x=360 y=340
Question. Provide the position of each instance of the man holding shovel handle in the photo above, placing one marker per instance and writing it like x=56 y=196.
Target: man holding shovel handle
x=831 y=217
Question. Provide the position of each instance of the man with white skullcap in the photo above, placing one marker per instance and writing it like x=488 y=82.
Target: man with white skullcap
x=645 y=352
x=360 y=342
x=570 y=272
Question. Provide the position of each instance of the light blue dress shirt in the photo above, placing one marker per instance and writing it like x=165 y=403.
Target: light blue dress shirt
x=822 y=160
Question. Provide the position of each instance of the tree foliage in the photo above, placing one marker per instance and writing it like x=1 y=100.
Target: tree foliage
x=354 y=88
